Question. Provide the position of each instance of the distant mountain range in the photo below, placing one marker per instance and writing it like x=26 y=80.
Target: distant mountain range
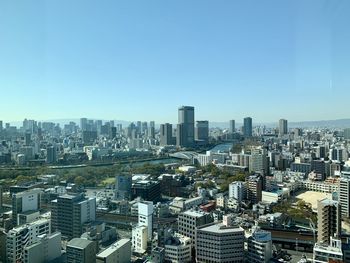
x=340 y=123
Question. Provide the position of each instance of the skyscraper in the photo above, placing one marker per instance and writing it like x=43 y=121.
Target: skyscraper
x=247 y=127
x=83 y=124
x=283 y=127
x=70 y=212
x=202 y=131
x=232 y=126
x=185 y=131
x=166 y=134
x=329 y=220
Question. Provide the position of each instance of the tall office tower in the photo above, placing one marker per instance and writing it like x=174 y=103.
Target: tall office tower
x=123 y=187
x=237 y=191
x=254 y=188
x=138 y=127
x=259 y=246
x=202 y=131
x=51 y=154
x=112 y=132
x=247 y=127
x=111 y=123
x=166 y=134
x=259 y=161
x=46 y=249
x=339 y=154
x=70 y=212
x=27 y=138
x=218 y=242
x=186 y=123
x=344 y=197
x=83 y=124
x=20 y=237
x=151 y=130
x=1 y=126
x=145 y=216
x=144 y=127
x=283 y=127
x=81 y=250
x=346 y=133
x=24 y=202
x=329 y=220
x=232 y=126
x=189 y=220
x=321 y=151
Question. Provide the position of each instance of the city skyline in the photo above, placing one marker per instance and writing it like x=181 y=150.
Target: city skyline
x=100 y=62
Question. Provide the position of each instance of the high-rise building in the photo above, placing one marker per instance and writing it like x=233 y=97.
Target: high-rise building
x=237 y=190
x=346 y=133
x=166 y=134
x=81 y=250
x=218 y=242
x=118 y=252
x=123 y=184
x=24 y=202
x=70 y=212
x=189 y=220
x=283 y=127
x=28 y=138
x=232 y=126
x=83 y=124
x=20 y=237
x=329 y=220
x=254 y=188
x=259 y=246
x=248 y=127
x=185 y=131
x=344 y=197
x=202 y=131
x=145 y=218
x=51 y=154
x=1 y=126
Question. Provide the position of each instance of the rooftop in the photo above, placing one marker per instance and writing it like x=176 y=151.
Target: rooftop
x=79 y=243
x=220 y=228
x=112 y=248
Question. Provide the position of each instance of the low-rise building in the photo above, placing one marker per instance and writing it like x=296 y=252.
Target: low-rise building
x=119 y=252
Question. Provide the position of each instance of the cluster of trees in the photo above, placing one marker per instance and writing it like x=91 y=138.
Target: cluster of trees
x=302 y=211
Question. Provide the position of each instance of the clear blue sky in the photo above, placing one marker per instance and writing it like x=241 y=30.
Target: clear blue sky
x=142 y=59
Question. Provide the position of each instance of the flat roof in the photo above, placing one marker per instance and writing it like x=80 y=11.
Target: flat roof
x=220 y=228
x=112 y=248
x=79 y=243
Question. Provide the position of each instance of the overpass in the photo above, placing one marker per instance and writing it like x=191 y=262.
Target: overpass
x=184 y=155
